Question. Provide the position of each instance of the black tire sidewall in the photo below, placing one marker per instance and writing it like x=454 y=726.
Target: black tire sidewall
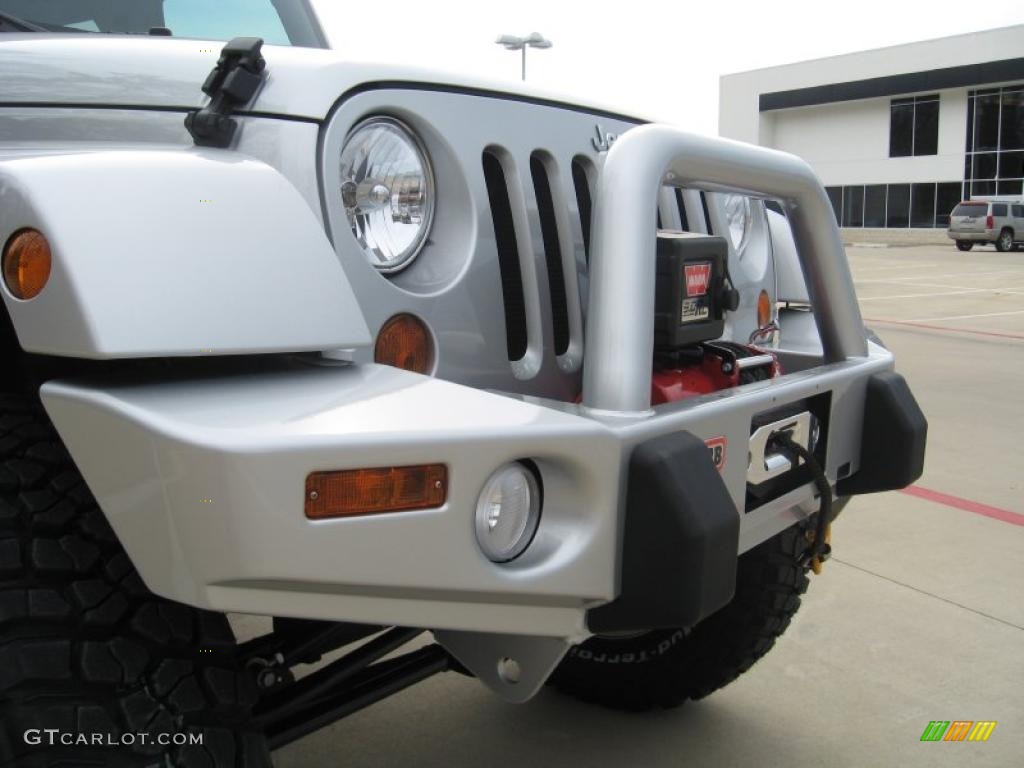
x=85 y=647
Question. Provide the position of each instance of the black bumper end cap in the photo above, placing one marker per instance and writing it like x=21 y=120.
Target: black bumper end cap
x=893 y=438
x=680 y=542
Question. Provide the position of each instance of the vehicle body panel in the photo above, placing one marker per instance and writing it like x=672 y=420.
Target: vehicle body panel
x=166 y=73
x=173 y=252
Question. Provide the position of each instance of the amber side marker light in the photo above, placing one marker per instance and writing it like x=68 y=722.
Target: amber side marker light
x=350 y=492
x=405 y=343
x=764 y=309
x=26 y=263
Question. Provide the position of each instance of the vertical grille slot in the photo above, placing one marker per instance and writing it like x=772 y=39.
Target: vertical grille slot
x=508 y=256
x=707 y=213
x=552 y=252
x=684 y=224
x=583 y=200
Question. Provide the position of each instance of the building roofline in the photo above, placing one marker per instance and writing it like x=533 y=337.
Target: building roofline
x=965 y=75
x=867 y=51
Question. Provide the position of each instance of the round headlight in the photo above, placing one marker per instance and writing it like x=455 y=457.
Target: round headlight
x=507 y=512
x=739 y=217
x=387 y=189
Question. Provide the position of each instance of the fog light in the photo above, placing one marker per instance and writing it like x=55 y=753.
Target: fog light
x=508 y=512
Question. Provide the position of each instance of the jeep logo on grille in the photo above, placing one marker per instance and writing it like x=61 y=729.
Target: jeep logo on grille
x=603 y=141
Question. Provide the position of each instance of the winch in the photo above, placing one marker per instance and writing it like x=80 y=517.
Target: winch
x=693 y=292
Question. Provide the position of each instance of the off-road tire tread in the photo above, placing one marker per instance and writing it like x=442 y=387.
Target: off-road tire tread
x=85 y=647
x=664 y=668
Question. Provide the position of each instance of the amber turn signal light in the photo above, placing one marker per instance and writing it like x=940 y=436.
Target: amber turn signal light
x=26 y=263
x=405 y=343
x=350 y=492
x=764 y=309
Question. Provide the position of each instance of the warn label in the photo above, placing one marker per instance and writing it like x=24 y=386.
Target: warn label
x=716 y=445
x=697 y=278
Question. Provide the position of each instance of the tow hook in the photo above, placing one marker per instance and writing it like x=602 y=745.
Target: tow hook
x=824 y=552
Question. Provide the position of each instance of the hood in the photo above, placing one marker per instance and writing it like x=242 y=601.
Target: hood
x=163 y=73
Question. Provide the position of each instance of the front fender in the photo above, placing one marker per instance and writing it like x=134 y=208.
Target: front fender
x=173 y=252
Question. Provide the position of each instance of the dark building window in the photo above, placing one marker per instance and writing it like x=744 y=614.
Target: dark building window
x=947 y=195
x=874 y=205
x=835 y=196
x=914 y=126
x=922 y=205
x=897 y=208
x=1011 y=165
x=853 y=206
x=982 y=188
x=901 y=128
x=995 y=141
x=926 y=127
x=895 y=205
x=986 y=122
x=1011 y=121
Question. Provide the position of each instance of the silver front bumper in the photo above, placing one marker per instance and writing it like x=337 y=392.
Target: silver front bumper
x=204 y=481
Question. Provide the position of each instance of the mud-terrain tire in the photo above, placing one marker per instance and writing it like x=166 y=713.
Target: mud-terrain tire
x=665 y=667
x=85 y=647
x=964 y=245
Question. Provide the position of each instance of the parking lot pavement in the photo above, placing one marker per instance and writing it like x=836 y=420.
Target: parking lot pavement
x=919 y=616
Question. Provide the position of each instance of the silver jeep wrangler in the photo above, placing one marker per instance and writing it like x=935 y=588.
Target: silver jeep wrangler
x=377 y=352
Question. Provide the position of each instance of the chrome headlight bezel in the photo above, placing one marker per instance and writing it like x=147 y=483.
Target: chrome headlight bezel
x=405 y=133
x=739 y=216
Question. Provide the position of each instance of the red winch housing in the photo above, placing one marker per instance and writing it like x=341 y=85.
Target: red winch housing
x=707 y=368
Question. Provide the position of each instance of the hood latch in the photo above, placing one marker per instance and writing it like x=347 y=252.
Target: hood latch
x=231 y=84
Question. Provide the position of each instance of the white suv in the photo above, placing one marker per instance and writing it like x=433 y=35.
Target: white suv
x=1000 y=222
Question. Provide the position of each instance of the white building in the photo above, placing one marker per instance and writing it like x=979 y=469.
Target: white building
x=898 y=135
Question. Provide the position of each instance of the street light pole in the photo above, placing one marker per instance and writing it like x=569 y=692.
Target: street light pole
x=514 y=43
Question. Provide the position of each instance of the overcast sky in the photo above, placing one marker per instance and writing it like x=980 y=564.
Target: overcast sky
x=658 y=59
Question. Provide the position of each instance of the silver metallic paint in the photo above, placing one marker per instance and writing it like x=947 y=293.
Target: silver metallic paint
x=173 y=252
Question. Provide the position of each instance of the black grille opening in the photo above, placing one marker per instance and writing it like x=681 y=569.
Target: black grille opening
x=508 y=256
x=684 y=223
x=552 y=253
x=583 y=201
x=707 y=213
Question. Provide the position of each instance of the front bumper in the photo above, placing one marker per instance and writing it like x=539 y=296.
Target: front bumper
x=203 y=481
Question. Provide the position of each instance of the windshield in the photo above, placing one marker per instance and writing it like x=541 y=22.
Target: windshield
x=278 y=22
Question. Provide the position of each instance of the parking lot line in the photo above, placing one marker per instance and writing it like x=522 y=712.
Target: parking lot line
x=885 y=267
x=965 y=317
x=959 y=275
x=935 y=293
x=945 y=328
x=974 y=507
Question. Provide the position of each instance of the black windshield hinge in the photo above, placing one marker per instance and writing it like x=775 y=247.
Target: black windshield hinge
x=231 y=84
